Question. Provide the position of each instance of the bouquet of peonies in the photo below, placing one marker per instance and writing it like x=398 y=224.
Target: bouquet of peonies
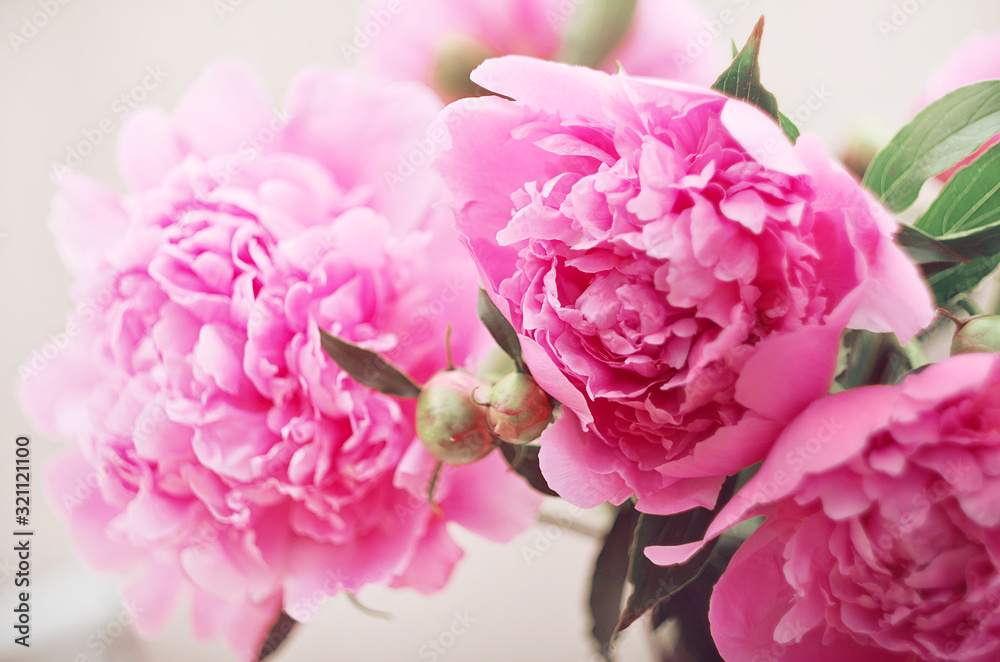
x=315 y=336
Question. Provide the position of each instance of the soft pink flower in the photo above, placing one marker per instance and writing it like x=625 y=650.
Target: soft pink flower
x=882 y=538
x=976 y=60
x=405 y=39
x=217 y=447
x=678 y=273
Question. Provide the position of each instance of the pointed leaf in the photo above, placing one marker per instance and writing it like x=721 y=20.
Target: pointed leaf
x=596 y=29
x=276 y=635
x=742 y=79
x=368 y=368
x=971 y=199
x=653 y=583
x=925 y=249
x=961 y=278
x=501 y=330
x=610 y=573
x=959 y=234
x=788 y=127
x=689 y=607
x=940 y=136
x=523 y=460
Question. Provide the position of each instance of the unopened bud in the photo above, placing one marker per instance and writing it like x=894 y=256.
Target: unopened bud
x=977 y=334
x=456 y=59
x=519 y=409
x=450 y=424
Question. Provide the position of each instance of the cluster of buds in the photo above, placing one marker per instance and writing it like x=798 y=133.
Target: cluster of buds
x=452 y=423
x=458 y=428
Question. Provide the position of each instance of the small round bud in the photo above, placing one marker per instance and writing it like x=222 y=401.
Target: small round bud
x=455 y=61
x=519 y=409
x=978 y=334
x=451 y=426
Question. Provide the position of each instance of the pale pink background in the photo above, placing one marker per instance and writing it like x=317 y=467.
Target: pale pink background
x=66 y=78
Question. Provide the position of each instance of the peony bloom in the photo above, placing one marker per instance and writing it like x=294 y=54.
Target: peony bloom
x=882 y=538
x=679 y=274
x=976 y=60
x=434 y=41
x=216 y=446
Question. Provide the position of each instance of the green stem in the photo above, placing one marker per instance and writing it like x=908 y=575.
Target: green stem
x=430 y=490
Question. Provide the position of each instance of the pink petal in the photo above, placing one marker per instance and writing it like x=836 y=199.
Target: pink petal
x=224 y=111
x=895 y=298
x=489 y=499
x=147 y=149
x=563 y=463
x=152 y=596
x=768 y=386
x=431 y=566
x=568 y=90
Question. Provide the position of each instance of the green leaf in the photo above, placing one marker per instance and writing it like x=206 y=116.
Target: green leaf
x=276 y=635
x=368 y=368
x=610 y=573
x=875 y=358
x=970 y=200
x=523 y=460
x=595 y=30
x=980 y=242
x=652 y=583
x=940 y=136
x=957 y=239
x=788 y=127
x=961 y=278
x=736 y=49
x=925 y=249
x=501 y=330
x=689 y=606
x=742 y=81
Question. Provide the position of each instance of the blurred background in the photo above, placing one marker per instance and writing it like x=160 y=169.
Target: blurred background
x=838 y=69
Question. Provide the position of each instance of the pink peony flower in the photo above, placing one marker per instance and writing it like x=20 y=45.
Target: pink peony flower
x=976 y=60
x=216 y=446
x=411 y=40
x=678 y=273
x=882 y=538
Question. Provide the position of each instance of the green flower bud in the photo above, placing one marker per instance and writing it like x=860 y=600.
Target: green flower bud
x=977 y=334
x=451 y=426
x=519 y=409
x=455 y=61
